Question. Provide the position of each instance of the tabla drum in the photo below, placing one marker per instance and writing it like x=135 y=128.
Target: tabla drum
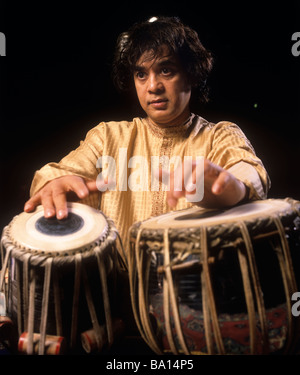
x=59 y=280
x=207 y=281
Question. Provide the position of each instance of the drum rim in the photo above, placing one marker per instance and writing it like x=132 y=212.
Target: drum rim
x=292 y=208
x=107 y=236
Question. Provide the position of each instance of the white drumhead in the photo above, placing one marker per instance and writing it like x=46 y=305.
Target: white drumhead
x=197 y=216
x=32 y=231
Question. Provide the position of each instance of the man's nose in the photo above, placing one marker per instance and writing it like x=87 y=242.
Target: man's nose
x=155 y=85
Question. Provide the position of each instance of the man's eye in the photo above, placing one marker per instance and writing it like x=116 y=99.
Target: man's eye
x=166 y=71
x=140 y=75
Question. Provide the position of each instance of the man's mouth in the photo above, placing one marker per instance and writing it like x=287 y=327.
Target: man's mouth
x=158 y=103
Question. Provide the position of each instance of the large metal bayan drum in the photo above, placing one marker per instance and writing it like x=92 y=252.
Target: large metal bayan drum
x=217 y=282
x=58 y=278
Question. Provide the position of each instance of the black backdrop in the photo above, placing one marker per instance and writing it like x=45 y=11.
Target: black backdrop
x=55 y=80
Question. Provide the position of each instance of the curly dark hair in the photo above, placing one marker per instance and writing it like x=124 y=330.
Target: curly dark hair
x=150 y=36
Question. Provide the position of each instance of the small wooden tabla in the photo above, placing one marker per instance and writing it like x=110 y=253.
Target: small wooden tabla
x=217 y=282
x=61 y=278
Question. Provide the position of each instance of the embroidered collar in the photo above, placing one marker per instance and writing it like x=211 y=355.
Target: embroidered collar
x=169 y=131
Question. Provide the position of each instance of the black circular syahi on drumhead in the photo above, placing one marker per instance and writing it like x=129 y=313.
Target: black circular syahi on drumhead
x=63 y=227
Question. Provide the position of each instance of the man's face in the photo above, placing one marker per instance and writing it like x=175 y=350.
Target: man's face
x=162 y=88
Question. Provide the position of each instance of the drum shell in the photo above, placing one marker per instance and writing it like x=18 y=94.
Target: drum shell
x=148 y=252
x=64 y=273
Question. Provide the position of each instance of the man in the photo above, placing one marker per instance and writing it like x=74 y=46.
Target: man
x=166 y=63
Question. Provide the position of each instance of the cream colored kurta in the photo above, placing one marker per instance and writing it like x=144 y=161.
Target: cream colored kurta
x=223 y=144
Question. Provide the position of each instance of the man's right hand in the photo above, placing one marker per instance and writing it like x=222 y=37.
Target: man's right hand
x=54 y=195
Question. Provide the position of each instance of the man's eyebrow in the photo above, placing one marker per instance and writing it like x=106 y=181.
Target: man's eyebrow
x=167 y=61
x=138 y=68
x=161 y=62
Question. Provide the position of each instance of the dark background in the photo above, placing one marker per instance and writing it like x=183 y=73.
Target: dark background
x=55 y=81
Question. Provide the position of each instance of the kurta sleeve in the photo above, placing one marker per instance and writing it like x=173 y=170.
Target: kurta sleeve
x=231 y=150
x=80 y=162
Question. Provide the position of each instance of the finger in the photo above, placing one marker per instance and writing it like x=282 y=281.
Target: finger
x=76 y=185
x=193 y=177
x=211 y=170
x=183 y=183
x=59 y=195
x=172 y=201
x=48 y=204
x=162 y=175
x=59 y=199
x=101 y=185
x=32 y=203
x=173 y=196
x=91 y=185
x=221 y=183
